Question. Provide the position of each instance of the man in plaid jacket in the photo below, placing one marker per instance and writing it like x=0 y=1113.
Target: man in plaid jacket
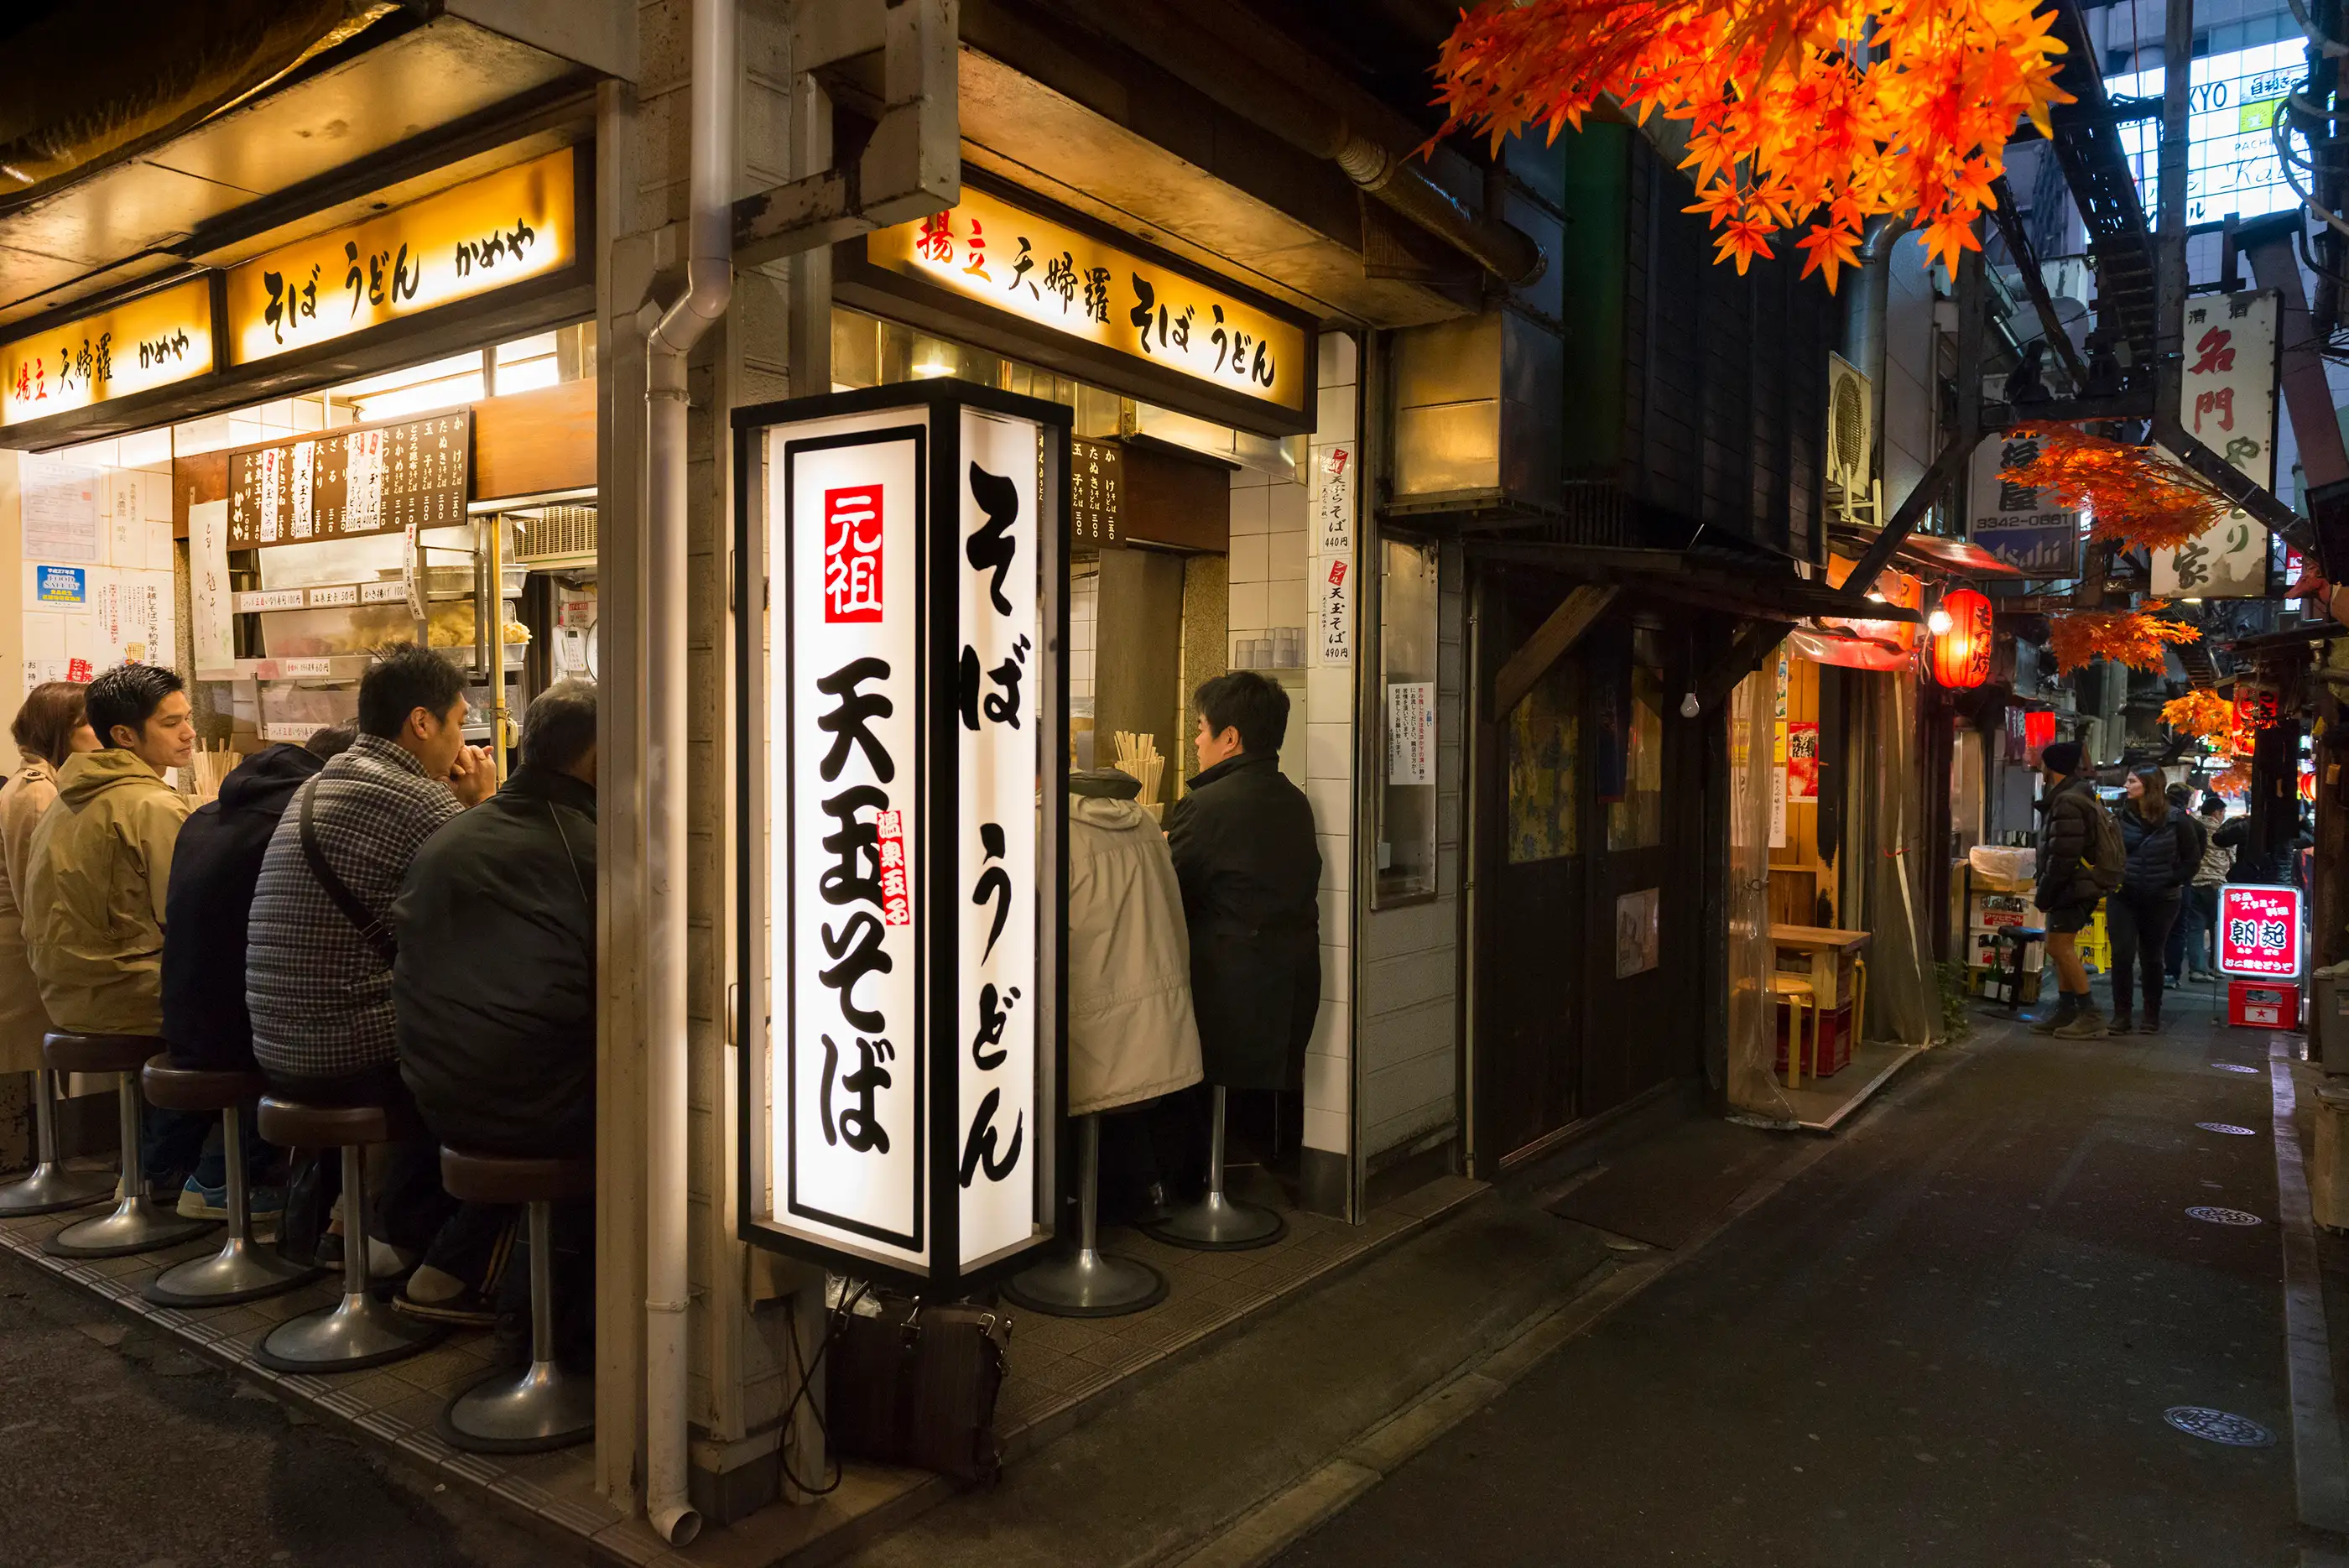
x=317 y=982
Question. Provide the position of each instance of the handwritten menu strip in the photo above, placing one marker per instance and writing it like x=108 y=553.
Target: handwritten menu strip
x=368 y=479
x=1096 y=490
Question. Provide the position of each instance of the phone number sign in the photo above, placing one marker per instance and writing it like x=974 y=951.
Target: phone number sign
x=2259 y=932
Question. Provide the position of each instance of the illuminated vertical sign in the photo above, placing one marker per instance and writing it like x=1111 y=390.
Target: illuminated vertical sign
x=2227 y=401
x=902 y=724
x=2258 y=931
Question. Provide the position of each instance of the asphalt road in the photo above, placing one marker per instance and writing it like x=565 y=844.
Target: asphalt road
x=1951 y=1343
x=120 y=1450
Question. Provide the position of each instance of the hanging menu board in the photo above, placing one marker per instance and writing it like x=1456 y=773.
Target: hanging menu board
x=366 y=479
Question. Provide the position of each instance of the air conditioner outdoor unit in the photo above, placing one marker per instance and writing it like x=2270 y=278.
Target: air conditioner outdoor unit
x=1852 y=490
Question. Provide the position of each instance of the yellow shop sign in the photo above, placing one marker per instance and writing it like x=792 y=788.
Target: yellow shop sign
x=151 y=341
x=991 y=252
x=504 y=228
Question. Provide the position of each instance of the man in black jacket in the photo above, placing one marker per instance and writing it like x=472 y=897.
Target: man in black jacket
x=2066 y=893
x=495 y=985
x=1242 y=837
x=215 y=865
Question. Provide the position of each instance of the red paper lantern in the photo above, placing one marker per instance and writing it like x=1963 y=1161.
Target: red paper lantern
x=1961 y=654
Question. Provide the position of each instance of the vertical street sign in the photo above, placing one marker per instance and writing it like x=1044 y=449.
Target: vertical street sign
x=902 y=737
x=2227 y=401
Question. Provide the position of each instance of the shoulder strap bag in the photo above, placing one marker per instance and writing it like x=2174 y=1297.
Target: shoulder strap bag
x=368 y=925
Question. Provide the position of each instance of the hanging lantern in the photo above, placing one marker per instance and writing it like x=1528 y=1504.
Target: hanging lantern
x=1961 y=654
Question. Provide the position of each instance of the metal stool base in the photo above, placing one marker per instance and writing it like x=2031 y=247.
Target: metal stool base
x=1086 y=1283
x=1216 y=1224
x=527 y=1413
x=136 y=1225
x=51 y=1189
x=355 y=1334
x=239 y=1272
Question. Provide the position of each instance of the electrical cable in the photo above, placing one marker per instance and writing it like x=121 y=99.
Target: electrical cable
x=805 y=1392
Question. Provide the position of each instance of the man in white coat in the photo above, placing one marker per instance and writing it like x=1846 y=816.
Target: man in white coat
x=1131 y=1035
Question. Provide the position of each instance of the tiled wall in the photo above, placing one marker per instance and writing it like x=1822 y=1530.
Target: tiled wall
x=1293 y=549
x=1084 y=620
x=1409 y=1037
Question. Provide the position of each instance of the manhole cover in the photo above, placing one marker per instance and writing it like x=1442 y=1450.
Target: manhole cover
x=2233 y=1067
x=2230 y=1128
x=2222 y=1216
x=2217 y=1427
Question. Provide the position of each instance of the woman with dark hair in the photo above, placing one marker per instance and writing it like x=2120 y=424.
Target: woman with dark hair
x=51 y=726
x=2164 y=849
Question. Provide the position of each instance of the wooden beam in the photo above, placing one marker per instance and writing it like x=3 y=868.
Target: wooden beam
x=1575 y=614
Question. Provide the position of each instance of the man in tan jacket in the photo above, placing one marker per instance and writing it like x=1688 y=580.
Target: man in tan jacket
x=97 y=870
x=101 y=858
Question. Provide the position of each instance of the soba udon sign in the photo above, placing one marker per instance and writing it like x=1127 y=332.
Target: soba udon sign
x=900 y=722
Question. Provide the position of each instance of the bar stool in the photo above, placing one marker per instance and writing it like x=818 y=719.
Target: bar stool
x=359 y=1331
x=239 y=1272
x=51 y=1187
x=1216 y=1223
x=138 y=1224
x=545 y=1406
x=1084 y=1281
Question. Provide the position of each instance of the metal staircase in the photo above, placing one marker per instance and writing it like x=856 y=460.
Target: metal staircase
x=2088 y=145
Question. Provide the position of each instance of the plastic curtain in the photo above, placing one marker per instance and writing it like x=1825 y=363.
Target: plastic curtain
x=1754 y=1088
x=1903 y=990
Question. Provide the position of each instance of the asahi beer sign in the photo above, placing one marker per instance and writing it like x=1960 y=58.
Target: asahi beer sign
x=902 y=1082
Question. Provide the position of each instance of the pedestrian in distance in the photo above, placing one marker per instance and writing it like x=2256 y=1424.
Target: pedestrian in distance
x=2081 y=857
x=2164 y=849
x=2202 y=894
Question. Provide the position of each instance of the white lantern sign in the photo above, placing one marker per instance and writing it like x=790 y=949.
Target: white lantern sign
x=902 y=827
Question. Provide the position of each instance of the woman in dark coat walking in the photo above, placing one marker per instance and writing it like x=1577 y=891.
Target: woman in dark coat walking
x=2164 y=851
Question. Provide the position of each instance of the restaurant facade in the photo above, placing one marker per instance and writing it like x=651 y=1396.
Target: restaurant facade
x=1510 y=512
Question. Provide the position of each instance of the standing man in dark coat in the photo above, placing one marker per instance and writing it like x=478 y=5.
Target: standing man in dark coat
x=1242 y=837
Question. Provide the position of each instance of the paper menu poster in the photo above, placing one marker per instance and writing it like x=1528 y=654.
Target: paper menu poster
x=60 y=509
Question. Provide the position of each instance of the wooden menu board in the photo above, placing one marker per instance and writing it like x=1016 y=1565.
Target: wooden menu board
x=362 y=479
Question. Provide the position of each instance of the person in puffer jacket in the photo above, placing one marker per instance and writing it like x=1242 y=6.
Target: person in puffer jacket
x=2165 y=851
x=2066 y=893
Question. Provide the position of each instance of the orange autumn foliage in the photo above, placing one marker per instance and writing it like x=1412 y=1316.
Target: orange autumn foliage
x=2134 y=494
x=1826 y=112
x=2200 y=713
x=2234 y=782
x=2133 y=638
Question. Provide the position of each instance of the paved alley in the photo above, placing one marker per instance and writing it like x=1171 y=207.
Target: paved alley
x=1951 y=1343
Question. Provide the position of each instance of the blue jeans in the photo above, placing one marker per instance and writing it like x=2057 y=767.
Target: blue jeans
x=176 y=1145
x=2201 y=920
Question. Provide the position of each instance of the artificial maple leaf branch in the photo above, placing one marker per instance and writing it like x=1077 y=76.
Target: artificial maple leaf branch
x=1829 y=111
x=2133 y=494
x=2135 y=638
x=2201 y=714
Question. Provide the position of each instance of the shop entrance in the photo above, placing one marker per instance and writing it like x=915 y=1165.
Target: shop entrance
x=1587 y=889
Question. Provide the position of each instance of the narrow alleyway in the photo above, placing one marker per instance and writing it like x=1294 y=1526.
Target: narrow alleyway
x=1951 y=1343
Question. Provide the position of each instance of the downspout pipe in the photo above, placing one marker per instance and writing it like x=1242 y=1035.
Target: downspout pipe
x=709 y=284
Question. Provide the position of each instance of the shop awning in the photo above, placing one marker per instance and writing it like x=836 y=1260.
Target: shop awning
x=1934 y=553
x=1849 y=648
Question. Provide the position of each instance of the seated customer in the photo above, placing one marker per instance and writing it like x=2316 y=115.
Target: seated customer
x=213 y=872
x=495 y=984
x=317 y=970
x=95 y=874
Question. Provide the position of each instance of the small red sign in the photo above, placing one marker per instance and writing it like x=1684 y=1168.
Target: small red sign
x=2258 y=931
x=852 y=553
x=890 y=829
x=79 y=670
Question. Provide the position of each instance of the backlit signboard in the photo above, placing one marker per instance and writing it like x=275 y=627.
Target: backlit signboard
x=902 y=827
x=2227 y=401
x=158 y=340
x=488 y=234
x=2231 y=162
x=2260 y=935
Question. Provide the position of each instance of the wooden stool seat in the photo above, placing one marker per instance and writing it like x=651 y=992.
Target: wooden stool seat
x=66 y=1050
x=508 y=1179
x=197 y=1089
x=290 y=1125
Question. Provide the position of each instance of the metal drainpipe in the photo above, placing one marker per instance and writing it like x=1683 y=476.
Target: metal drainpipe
x=1864 y=318
x=709 y=283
